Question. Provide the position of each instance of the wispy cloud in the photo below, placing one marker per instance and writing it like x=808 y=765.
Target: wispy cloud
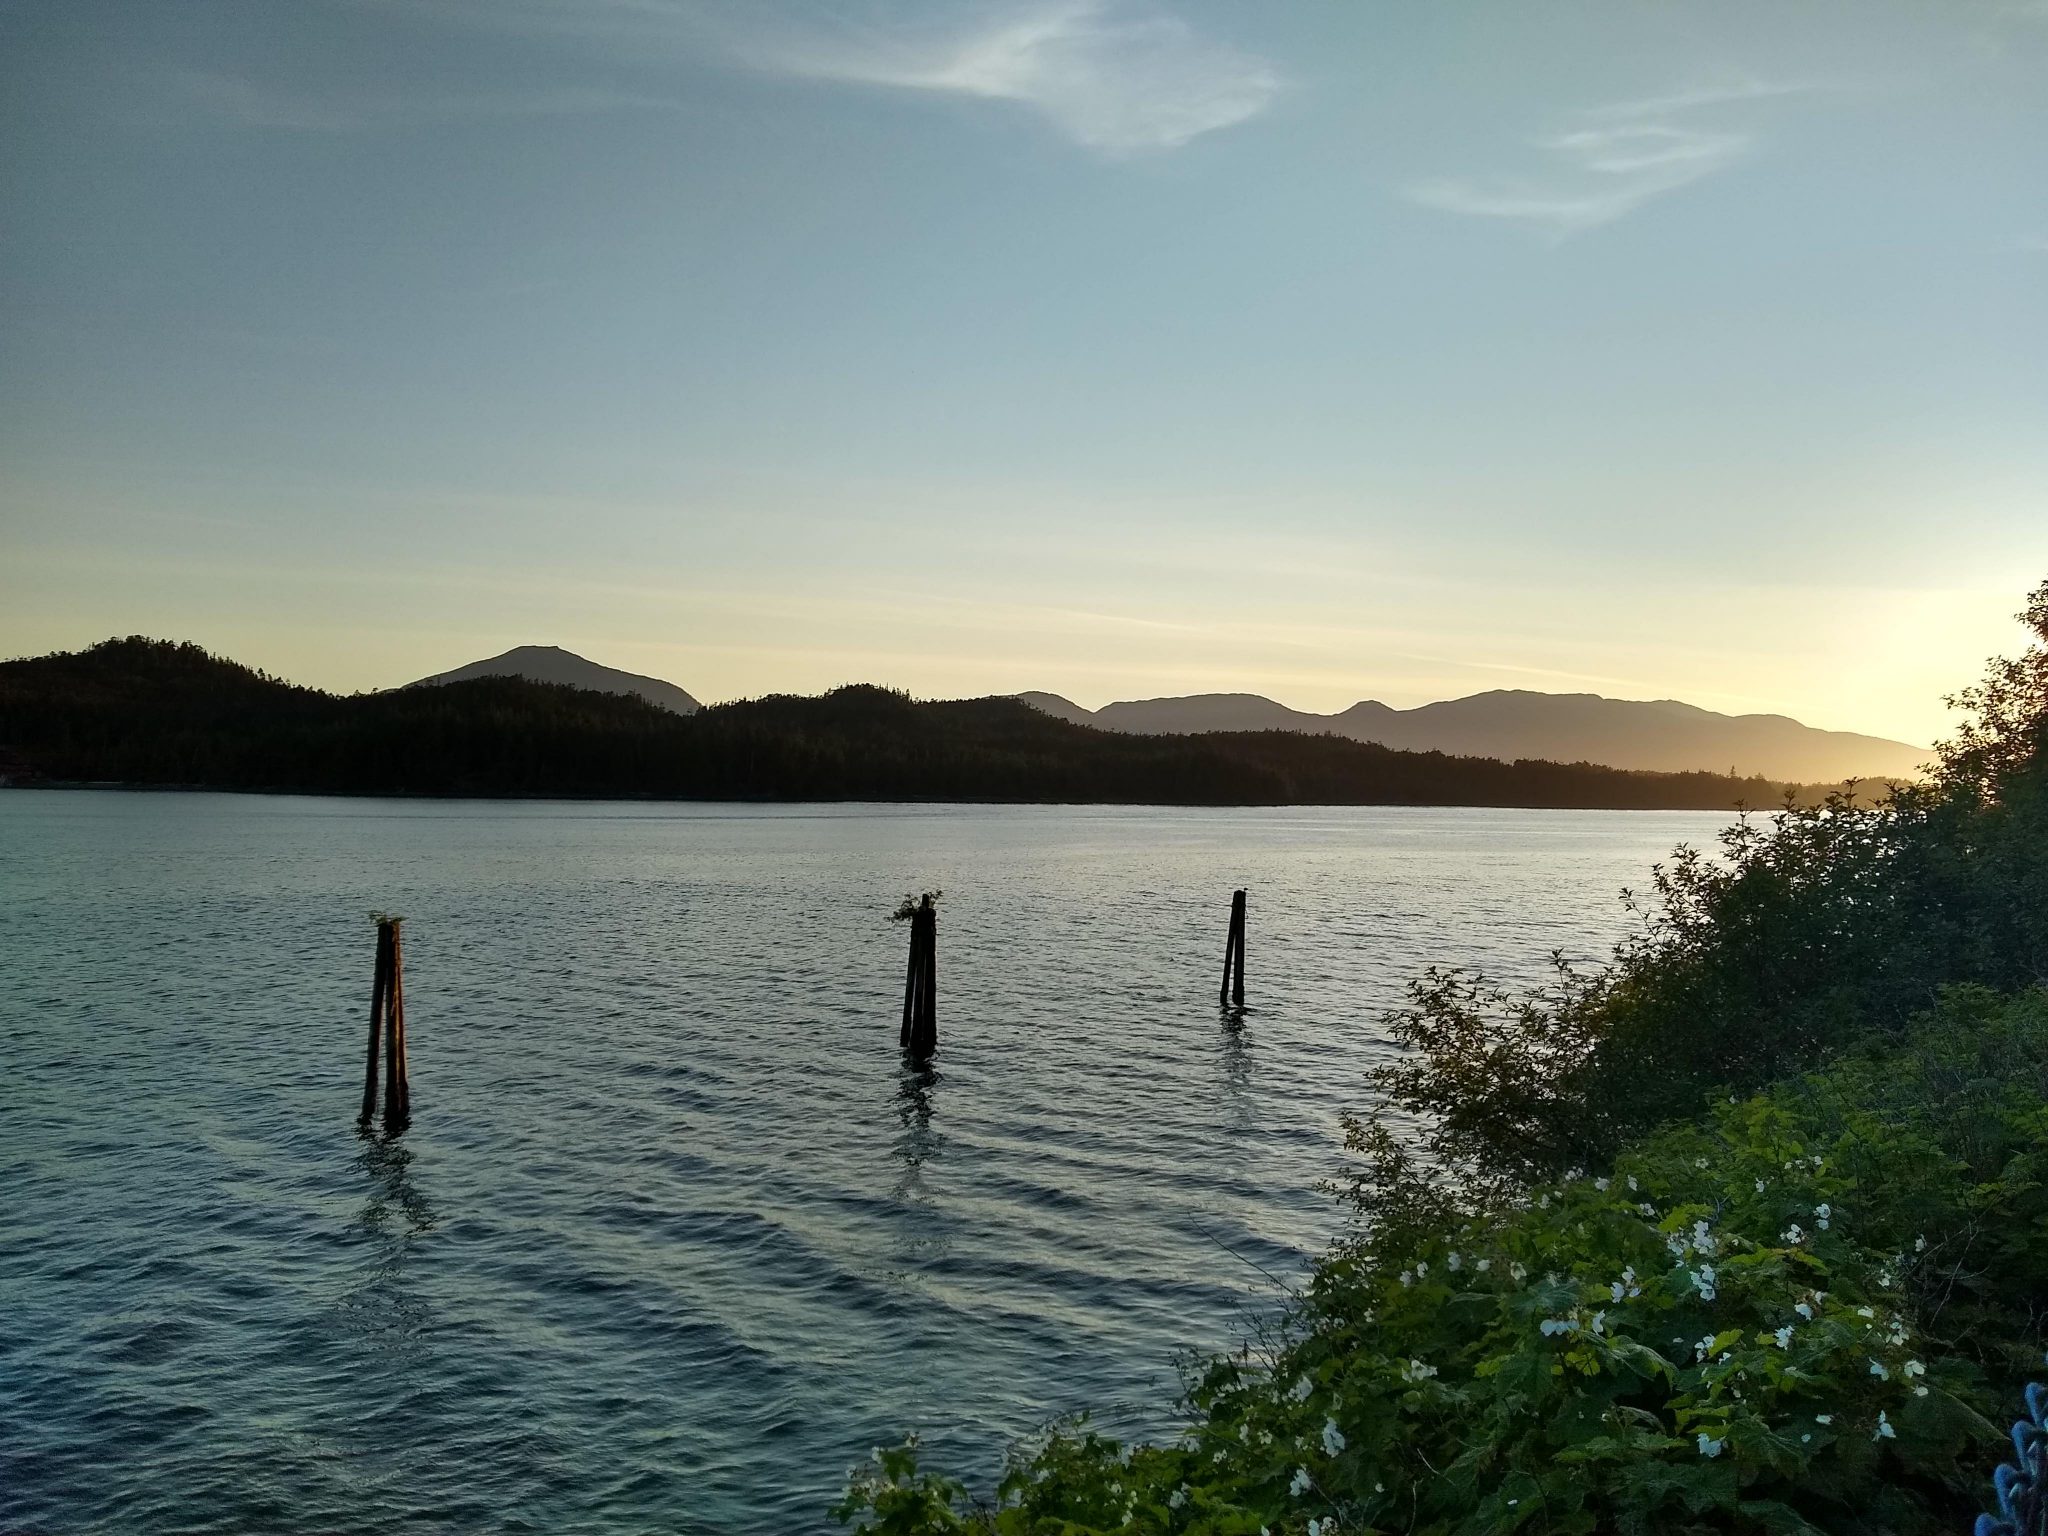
x=1613 y=160
x=1116 y=76
x=1718 y=93
x=1113 y=76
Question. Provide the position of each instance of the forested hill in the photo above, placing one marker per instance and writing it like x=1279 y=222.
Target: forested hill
x=153 y=712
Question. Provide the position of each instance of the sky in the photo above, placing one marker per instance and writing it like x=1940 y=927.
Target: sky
x=1118 y=348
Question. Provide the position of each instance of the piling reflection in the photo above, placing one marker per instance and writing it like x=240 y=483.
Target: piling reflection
x=395 y=1206
x=1234 y=1055
x=917 y=1141
x=383 y=1305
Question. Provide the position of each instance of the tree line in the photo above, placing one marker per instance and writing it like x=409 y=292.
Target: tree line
x=150 y=712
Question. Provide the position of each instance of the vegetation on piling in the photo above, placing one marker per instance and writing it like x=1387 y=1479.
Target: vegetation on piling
x=150 y=712
x=1746 y=1231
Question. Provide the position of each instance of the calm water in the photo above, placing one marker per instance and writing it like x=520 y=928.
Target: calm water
x=674 y=1238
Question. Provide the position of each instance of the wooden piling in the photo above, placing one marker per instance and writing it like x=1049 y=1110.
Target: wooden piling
x=924 y=1038
x=397 y=1086
x=387 y=1019
x=913 y=979
x=920 y=1032
x=378 y=988
x=1231 y=993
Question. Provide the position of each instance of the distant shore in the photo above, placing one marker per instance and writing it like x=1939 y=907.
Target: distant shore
x=153 y=714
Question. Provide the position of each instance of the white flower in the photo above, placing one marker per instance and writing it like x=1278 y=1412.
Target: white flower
x=1919 y=1391
x=1919 y=1245
x=1878 y=1370
x=1884 y=1429
x=1759 y=1186
x=1865 y=1312
x=1709 y=1446
x=1647 y=1209
x=1699 y=1162
x=1543 y=1201
x=1302 y=1388
x=1602 y=1184
x=1793 y=1234
x=1516 y=1273
x=1407 y=1278
x=1550 y=1327
x=1415 y=1370
x=1804 y=1310
x=1823 y=1418
x=1702 y=1239
x=1454 y=1263
x=1821 y=1213
x=1483 y=1265
x=1178 y=1497
x=1700 y=1349
x=1599 y=1324
x=1631 y=1183
x=1421 y=1269
x=1911 y=1369
x=1300 y=1484
x=1333 y=1438
x=1315 y=1527
x=1784 y=1337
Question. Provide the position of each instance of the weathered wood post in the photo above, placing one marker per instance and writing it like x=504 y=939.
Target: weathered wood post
x=920 y=1032
x=387 y=1017
x=378 y=988
x=397 y=1087
x=913 y=981
x=1231 y=994
x=924 y=1037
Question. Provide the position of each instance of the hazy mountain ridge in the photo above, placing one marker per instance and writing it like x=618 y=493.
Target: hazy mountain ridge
x=1658 y=735
x=154 y=712
x=552 y=664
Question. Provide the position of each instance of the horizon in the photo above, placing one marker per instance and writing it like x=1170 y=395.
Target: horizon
x=1114 y=348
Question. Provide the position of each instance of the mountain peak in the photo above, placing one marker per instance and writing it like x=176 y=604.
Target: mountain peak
x=553 y=664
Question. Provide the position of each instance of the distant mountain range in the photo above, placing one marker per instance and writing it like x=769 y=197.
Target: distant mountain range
x=552 y=664
x=1661 y=735
x=155 y=712
x=1658 y=735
